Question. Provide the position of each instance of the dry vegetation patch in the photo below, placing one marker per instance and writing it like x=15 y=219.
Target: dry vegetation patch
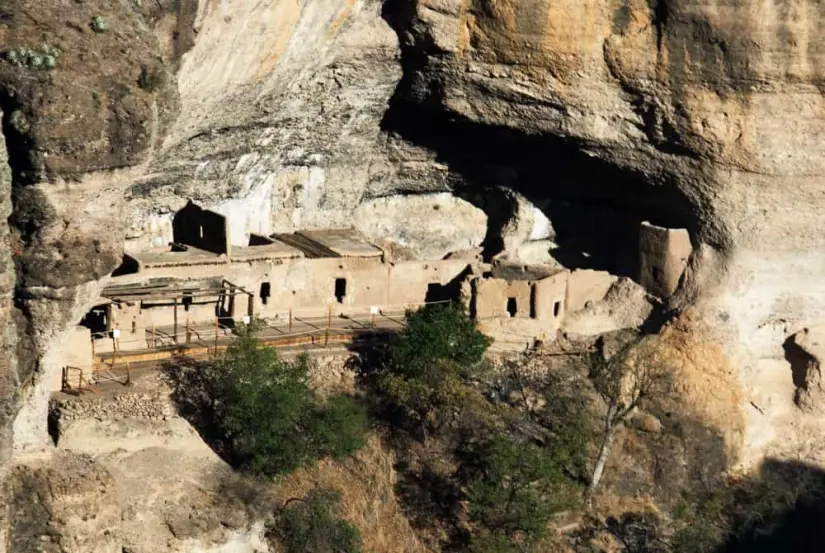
x=366 y=482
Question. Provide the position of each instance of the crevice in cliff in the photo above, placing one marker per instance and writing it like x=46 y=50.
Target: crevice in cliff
x=661 y=13
x=19 y=144
x=17 y=156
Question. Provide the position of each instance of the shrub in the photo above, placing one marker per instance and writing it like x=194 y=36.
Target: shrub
x=270 y=417
x=99 y=24
x=518 y=486
x=19 y=122
x=427 y=368
x=313 y=525
x=339 y=427
x=439 y=332
x=495 y=542
x=45 y=58
x=151 y=78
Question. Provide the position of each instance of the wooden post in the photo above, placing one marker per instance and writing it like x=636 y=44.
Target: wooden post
x=187 y=335
x=326 y=337
x=329 y=318
x=114 y=354
x=175 y=328
x=290 y=319
x=154 y=336
x=217 y=330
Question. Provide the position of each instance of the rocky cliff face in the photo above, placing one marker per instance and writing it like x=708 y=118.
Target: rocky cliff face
x=696 y=114
x=572 y=120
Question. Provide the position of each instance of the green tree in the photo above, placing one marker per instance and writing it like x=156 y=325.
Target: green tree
x=516 y=490
x=269 y=415
x=427 y=368
x=439 y=332
x=314 y=525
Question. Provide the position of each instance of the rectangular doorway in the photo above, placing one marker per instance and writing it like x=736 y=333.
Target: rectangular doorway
x=340 y=289
x=266 y=291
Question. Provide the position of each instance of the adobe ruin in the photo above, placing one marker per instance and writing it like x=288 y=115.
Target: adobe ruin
x=199 y=282
x=663 y=258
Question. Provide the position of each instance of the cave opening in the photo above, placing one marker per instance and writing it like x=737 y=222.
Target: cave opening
x=97 y=320
x=595 y=206
x=128 y=266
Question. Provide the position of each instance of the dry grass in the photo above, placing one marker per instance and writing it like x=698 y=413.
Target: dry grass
x=706 y=385
x=366 y=482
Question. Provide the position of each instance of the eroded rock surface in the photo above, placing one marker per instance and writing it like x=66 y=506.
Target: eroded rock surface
x=427 y=226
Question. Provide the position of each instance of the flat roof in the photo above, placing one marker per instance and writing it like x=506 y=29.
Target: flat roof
x=273 y=250
x=167 y=258
x=330 y=243
x=169 y=288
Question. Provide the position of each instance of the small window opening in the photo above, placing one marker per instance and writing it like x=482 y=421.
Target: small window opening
x=556 y=308
x=533 y=313
x=512 y=306
x=134 y=326
x=340 y=289
x=187 y=301
x=266 y=291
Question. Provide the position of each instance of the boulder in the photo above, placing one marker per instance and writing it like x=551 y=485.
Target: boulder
x=805 y=351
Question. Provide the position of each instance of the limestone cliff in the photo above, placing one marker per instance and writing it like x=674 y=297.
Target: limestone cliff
x=568 y=120
x=697 y=114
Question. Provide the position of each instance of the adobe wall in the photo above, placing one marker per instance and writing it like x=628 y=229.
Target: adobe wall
x=77 y=353
x=663 y=257
x=587 y=285
x=414 y=282
x=550 y=299
x=491 y=297
x=307 y=286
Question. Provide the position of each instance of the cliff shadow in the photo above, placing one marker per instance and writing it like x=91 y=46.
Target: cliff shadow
x=595 y=207
x=779 y=510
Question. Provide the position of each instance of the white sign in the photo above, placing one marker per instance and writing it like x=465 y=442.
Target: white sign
x=116 y=333
x=374 y=310
x=246 y=319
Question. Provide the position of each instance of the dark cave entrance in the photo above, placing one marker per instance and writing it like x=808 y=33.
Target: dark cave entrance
x=595 y=207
